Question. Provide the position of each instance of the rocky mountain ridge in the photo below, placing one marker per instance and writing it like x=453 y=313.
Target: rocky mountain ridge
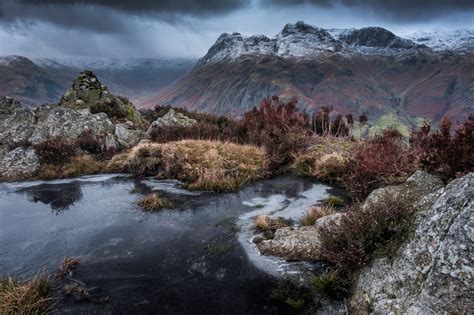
x=303 y=40
x=395 y=81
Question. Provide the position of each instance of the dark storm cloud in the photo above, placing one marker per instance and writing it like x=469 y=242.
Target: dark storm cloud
x=397 y=9
x=110 y=15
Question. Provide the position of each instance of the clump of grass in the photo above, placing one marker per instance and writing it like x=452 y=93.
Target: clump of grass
x=326 y=160
x=315 y=213
x=333 y=201
x=201 y=165
x=266 y=223
x=77 y=166
x=29 y=297
x=155 y=202
x=363 y=230
x=330 y=284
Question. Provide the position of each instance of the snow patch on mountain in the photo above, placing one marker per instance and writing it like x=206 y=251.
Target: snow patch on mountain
x=458 y=40
x=301 y=40
x=304 y=40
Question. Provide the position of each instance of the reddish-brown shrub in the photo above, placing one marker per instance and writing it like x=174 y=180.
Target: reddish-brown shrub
x=279 y=127
x=320 y=121
x=55 y=150
x=89 y=142
x=447 y=152
x=383 y=160
x=350 y=242
x=325 y=124
x=339 y=127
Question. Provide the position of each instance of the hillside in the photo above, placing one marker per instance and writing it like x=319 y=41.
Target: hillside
x=368 y=71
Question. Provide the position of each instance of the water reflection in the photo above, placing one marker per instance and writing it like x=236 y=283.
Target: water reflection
x=58 y=197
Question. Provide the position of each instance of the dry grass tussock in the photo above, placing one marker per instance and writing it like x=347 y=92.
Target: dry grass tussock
x=155 y=202
x=327 y=159
x=29 y=297
x=264 y=222
x=200 y=164
x=77 y=166
x=314 y=213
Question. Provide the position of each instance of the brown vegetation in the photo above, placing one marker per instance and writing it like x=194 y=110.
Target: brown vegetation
x=28 y=297
x=448 y=152
x=55 y=150
x=351 y=242
x=155 y=202
x=314 y=213
x=206 y=165
x=266 y=223
x=77 y=166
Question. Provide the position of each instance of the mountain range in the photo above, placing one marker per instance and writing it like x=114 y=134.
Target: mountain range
x=370 y=71
x=360 y=71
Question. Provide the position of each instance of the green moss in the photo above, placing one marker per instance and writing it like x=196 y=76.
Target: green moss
x=389 y=121
x=333 y=201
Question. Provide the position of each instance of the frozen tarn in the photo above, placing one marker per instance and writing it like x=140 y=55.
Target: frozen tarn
x=82 y=179
x=169 y=185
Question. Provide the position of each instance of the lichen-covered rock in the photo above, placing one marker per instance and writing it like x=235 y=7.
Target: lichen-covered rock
x=432 y=273
x=127 y=136
x=19 y=163
x=297 y=243
x=36 y=124
x=87 y=93
x=171 y=119
x=8 y=105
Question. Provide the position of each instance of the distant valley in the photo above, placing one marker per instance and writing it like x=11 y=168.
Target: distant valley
x=42 y=80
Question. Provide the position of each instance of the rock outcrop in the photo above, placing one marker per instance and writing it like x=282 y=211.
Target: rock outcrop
x=171 y=119
x=19 y=163
x=88 y=105
x=87 y=93
x=432 y=273
x=300 y=243
x=34 y=125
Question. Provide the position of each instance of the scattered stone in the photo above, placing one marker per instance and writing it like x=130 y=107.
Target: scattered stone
x=171 y=119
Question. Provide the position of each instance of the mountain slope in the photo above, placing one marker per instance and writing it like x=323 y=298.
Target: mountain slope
x=370 y=71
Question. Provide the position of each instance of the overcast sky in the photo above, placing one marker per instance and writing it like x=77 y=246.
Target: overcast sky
x=187 y=28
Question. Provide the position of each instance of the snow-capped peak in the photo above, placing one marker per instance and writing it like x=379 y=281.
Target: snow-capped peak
x=307 y=41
